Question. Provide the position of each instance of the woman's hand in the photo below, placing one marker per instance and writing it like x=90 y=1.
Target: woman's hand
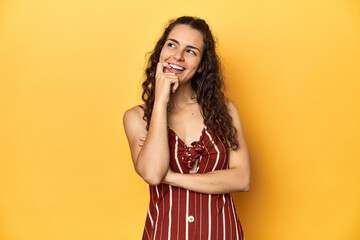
x=168 y=179
x=141 y=141
x=164 y=83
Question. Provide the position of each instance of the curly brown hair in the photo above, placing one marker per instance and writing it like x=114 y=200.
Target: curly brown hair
x=208 y=84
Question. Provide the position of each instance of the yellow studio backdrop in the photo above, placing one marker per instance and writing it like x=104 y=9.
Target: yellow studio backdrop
x=70 y=69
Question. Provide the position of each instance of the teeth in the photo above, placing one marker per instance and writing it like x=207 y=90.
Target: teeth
x=176 y=67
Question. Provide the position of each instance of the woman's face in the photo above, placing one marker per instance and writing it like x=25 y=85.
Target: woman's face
x=183 y=51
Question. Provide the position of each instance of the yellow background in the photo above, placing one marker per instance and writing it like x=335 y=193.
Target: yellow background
x=69 y=70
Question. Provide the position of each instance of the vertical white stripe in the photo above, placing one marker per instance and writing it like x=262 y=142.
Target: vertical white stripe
x=169 y=232
x=187 y=215
x=207 y=160
x=217 y=217
x=178 y=215
x=163 y=211
x=176 y=154
x=157 y=210
x=223 y=212
x=217 y=150
x=152 y=201
x=151 y=220
x=200 y=213
x=195 y=213
x=209 y=237
x=234 y=214
x=229 y=214
x=147 y=233
x=225 y=154
x=198 y=165
x=178 y=164
x=151 y=195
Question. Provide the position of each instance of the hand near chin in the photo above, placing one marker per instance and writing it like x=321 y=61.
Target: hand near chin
x=165 y=82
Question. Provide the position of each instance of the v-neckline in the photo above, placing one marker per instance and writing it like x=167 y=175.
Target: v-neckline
x=200 y=137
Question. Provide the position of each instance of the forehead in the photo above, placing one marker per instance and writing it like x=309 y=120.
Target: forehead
x=186 y=35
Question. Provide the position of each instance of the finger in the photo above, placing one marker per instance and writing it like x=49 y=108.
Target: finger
x=174 y=86
x=170 y=74
x=170 y=78
x=160 y=67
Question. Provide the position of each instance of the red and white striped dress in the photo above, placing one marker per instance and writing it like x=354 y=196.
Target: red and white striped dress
x=179 y=214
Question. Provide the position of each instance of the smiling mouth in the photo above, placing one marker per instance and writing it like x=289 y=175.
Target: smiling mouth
x=176 y=67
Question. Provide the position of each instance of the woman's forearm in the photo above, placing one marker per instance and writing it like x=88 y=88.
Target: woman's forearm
x=153 y=160
x=215 y=182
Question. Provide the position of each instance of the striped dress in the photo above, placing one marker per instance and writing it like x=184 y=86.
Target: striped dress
x=179 y=214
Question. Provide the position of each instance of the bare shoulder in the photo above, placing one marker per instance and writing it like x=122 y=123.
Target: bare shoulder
x=135 y=128
x=133 y=121
x=233 y=111
x=133 y=114
x=230 y=104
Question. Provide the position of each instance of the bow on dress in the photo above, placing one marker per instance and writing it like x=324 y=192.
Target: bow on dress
x=190 y=154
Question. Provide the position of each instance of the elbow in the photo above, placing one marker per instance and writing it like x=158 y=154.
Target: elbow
x=244 y=185
x=247 y=187
x=150 y=178
x=247 y=184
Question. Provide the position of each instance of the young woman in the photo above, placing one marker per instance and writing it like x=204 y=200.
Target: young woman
x=186 y=140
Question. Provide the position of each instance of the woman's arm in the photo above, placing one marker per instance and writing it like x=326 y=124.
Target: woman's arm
x=151 y=160
x=236 y=178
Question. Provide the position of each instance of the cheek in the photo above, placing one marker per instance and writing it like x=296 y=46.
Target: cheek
x=163 y=55
x=197 y=64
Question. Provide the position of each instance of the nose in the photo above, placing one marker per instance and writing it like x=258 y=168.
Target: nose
x=179 y=55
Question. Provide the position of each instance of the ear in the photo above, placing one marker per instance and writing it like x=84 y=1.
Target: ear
x=200 y=69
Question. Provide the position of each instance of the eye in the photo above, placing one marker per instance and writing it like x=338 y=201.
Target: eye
x=171 y=45
x=191 y=52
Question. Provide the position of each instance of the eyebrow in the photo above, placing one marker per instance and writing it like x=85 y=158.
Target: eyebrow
x=189 y=46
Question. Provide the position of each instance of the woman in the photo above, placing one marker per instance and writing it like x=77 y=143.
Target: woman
x=186 y=141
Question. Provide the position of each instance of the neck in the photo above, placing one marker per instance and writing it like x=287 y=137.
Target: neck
x=183 y=96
